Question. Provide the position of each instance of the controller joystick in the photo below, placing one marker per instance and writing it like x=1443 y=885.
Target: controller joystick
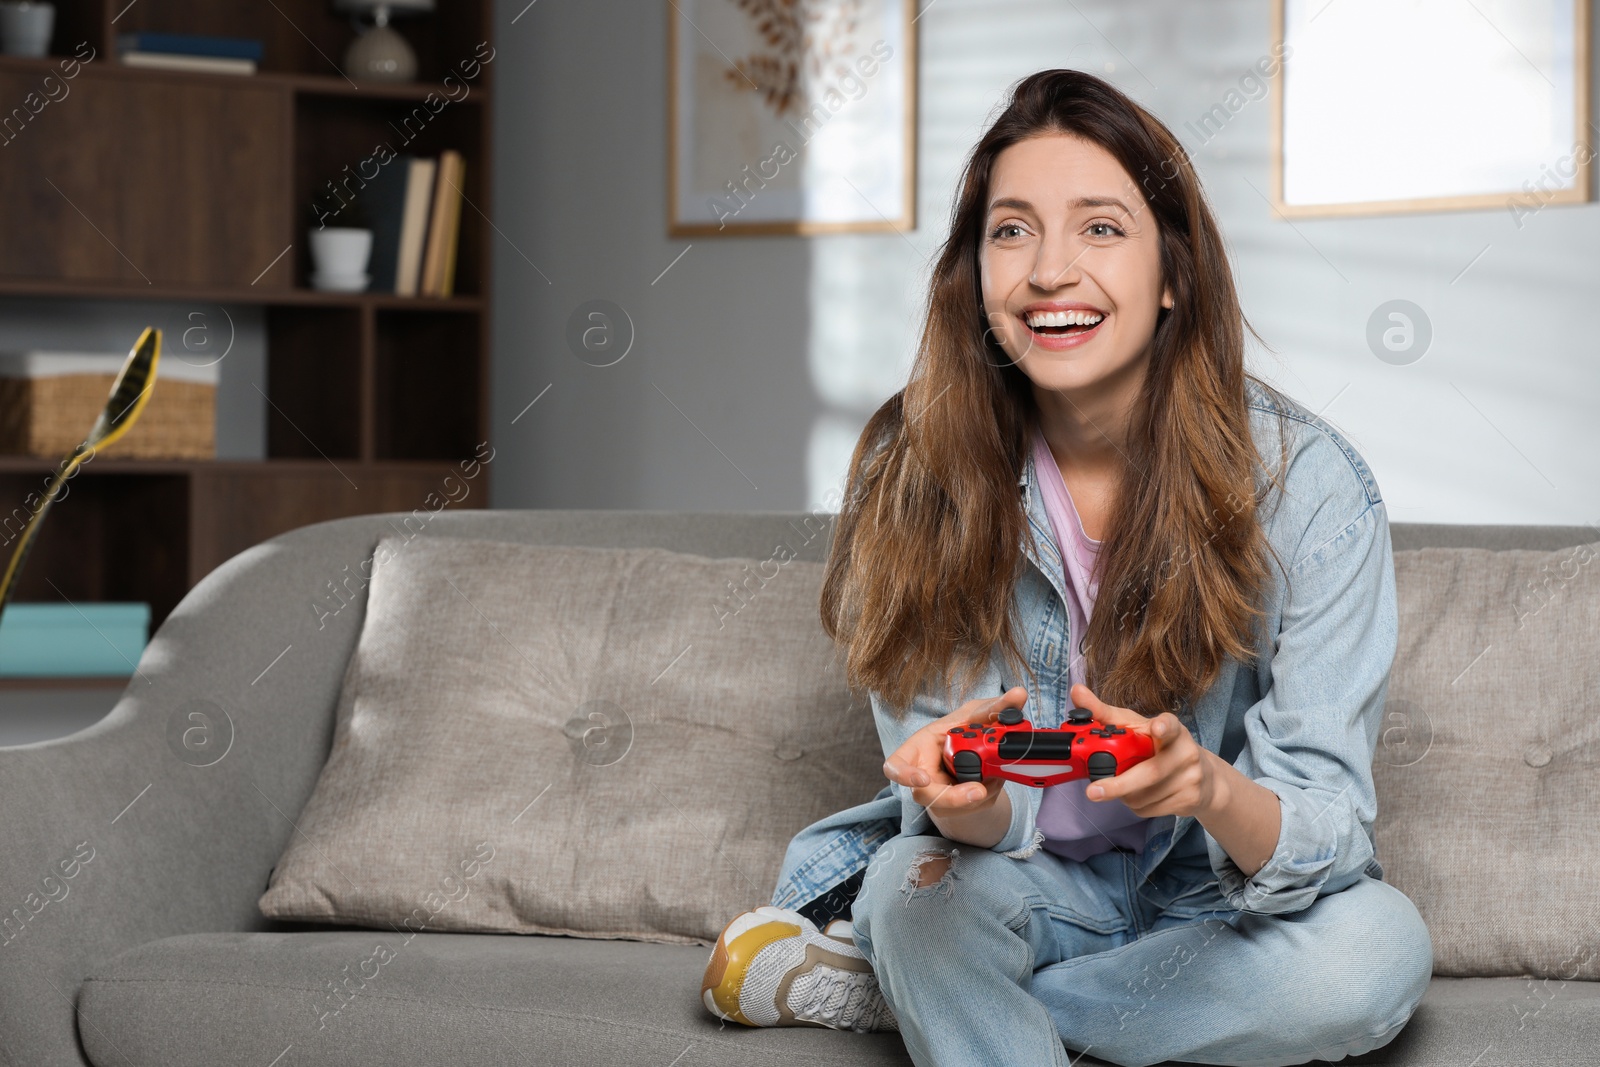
x=1012 y=749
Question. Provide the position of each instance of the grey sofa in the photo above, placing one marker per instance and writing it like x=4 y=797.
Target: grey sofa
x=152 y=950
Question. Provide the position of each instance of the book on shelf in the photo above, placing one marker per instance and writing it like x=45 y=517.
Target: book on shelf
x=197 y=64
x=385 y=200
x=444 y=227
x=414 y=225
x=192 y=44
x=414 y=205
x=80 y=640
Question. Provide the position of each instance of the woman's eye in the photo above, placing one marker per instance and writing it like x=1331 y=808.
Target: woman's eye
x=999 y=231
x=1105 y=226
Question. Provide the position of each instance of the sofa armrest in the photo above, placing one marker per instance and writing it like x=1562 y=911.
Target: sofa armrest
x=167 y=816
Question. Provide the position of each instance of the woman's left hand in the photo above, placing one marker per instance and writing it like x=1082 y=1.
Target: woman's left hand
x=1179 y=779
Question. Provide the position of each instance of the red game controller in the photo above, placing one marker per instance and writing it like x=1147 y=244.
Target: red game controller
x=1013 y=749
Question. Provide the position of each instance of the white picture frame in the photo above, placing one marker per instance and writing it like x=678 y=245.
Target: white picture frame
x=1387 y=106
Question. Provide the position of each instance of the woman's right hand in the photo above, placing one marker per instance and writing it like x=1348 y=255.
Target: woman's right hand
x=919 y=763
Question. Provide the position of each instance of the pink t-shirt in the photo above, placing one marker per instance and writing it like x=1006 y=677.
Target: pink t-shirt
x=1073 y=825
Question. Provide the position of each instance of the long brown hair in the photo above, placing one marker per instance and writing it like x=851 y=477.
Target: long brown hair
x=928 y=544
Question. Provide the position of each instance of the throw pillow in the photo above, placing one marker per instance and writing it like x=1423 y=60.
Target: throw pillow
x=570 y=740
x=1486 y=770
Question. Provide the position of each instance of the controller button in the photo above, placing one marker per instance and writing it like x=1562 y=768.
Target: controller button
x=955 y=729
x=1079 y=716
x=1010 y=716
x=968 y=767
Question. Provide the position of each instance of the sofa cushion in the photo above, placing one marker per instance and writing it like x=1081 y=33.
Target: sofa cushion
x=610 y=743
x=378 y=997
x=469 y=999
x=1487 y=769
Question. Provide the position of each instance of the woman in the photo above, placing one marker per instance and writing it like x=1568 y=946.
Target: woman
x=1081 y=499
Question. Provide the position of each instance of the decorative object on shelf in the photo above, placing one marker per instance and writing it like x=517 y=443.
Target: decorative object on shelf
x=47 y=398
x=191 y=51
x=130 y=393
x=743 y=110
x=380 y=54
x=25 y=28
x=75 y=640
x=340 y=255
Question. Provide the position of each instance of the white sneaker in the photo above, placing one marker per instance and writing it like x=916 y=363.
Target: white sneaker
x=773 y=967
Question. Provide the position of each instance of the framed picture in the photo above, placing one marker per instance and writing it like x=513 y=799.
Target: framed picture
x=791 y=117
x=1383 y=106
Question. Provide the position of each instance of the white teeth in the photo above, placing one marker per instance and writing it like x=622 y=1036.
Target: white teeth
x=1063 y=318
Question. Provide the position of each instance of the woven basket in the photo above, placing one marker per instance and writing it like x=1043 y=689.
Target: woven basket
x=50 y=416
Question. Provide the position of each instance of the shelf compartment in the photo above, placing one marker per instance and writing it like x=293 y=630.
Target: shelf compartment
x=314 y=383
x=115 y=537
x=428 y=386
x=329 y=126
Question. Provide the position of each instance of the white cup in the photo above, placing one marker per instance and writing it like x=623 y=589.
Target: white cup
x=25 y=28
x=341 y=251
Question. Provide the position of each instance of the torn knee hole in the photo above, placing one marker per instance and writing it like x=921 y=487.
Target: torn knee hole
x=931 y=868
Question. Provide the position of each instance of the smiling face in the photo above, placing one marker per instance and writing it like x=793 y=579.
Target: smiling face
x=1071 y=267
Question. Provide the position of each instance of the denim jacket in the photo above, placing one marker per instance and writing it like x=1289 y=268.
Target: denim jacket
x=1302 y=718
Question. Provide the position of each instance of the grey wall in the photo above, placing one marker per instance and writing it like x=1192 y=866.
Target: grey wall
x=757 y=359
x=718 y=361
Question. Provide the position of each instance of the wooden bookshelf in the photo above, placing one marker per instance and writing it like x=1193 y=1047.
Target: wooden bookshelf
x=141 y=184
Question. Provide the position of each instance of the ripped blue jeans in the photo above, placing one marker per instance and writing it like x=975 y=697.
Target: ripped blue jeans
x=994 y=960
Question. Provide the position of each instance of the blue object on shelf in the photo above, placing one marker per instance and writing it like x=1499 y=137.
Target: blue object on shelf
x=83 y=640
x=192 y=44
